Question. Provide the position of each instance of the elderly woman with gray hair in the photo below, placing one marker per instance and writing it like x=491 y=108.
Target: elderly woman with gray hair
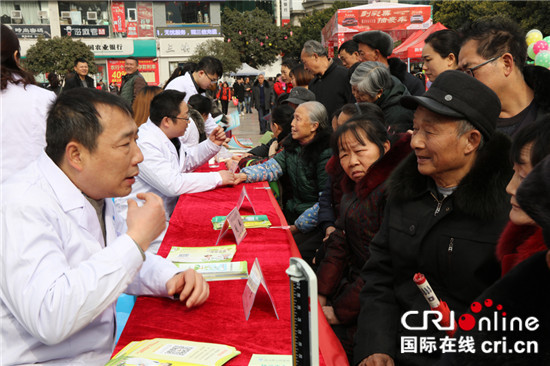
x=303 y=160
x=372 y=82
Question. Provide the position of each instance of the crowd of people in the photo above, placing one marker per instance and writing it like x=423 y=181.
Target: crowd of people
x=379 y=178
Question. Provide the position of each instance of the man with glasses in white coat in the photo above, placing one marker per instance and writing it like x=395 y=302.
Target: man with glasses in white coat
x=208 y=71
x=167 y=166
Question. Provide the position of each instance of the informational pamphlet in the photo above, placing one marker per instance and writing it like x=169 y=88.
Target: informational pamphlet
x=219 y=253
x=250 y=221
x=174 y=352
x=218 y=271
x=270 y=360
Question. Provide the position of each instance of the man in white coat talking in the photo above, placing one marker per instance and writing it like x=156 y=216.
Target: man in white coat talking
x=207 y=72
x=167 y=166
x=65 y=256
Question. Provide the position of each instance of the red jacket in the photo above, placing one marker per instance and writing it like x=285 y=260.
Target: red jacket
x=224 y=93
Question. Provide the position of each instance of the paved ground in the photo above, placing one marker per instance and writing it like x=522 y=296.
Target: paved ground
x=249 y=128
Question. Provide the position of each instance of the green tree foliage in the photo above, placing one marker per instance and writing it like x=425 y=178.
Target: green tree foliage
x=253 y=34
x=58 y=55
x=223 y=51
x=529 y=14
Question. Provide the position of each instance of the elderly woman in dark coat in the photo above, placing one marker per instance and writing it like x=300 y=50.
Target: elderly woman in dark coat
x=363 y=148
x=372 y=82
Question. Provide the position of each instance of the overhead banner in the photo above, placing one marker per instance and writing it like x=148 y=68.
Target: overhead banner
x=399 y=20
x=119 y=16
x=145 y=20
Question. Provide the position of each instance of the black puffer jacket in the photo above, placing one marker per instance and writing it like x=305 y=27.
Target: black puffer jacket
x=396 y=116
x=398 y=68
x=522 y=292
x=451 y=241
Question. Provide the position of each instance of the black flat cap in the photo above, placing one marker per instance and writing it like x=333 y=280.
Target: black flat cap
x=299 y=95
x=455 y=94
x=377 y=40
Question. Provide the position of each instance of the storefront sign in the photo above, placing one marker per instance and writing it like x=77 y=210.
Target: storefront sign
x=119 y=17
x=148 y=68
x=110 y=47
x=32 y=31
x=198 y=31
x=145 y=20
x=178 y=47
x=285 y=12
x=85 y=31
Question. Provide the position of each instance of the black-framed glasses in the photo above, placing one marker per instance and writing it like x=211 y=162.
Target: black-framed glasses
x=470 y=70
x=183 y=118
x=213 y=81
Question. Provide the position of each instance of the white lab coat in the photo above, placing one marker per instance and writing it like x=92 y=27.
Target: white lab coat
x=163 y=173
x=24 y=111
x=185 y=84
x=59 y=281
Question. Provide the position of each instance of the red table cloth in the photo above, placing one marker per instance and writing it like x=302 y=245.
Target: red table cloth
x=222 y=319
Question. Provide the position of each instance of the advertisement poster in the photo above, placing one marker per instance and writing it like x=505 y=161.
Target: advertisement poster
x=145 y=20
x=148 y=68
x=119 y=18
x=131 y=29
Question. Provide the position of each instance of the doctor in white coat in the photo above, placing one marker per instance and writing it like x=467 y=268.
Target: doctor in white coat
x=208 y=71
x=65 y=257
x=167 y=168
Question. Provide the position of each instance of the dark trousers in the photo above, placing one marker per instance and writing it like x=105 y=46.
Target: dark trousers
x=247 y=100
x=225 y=104
x=263 y=123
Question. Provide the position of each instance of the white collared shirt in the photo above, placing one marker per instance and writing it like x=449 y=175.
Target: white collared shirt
x=166 y=175
x=59 y=281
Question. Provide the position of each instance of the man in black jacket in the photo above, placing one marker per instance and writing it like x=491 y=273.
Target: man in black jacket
x=262 y=100
x=331 y=83
x=79 y=78
x=378 y=46
x=446 y=208
x=494 y=52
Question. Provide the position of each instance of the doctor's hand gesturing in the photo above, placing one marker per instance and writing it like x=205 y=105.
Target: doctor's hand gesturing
x=145 y=223
x=218 y=136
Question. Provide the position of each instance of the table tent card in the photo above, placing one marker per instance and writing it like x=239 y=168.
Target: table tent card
x=244 y=194
x=255 y=278
x=234 y=220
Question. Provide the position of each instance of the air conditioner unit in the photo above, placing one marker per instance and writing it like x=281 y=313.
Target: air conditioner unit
x=16 y=14
x=43 y=14
x=66 y=15
x=91 y=15
x=132 y=15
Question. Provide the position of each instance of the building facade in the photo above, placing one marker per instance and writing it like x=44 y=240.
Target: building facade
x=160 y=34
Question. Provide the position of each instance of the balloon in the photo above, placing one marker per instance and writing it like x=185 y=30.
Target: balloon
x=547 y=39
x=539 y=46
x=530 y=51
x=533 y=36
x=543 y=59
x=228 y=40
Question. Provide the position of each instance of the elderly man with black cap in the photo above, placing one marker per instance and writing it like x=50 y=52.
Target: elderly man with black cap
x=377 y=46
x=446 y=208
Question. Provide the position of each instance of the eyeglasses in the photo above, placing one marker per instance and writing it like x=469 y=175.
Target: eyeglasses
x=213 y=81
x=470 y=70
x=183 y=118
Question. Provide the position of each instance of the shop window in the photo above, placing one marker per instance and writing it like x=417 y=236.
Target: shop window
x=132 y=19
x=24 y=12
x=185 y=12
x=84 y=13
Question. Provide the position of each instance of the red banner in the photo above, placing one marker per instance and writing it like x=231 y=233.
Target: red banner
x=119 y=17
x=385 y=19
x=148 y=68
x=145 y=20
